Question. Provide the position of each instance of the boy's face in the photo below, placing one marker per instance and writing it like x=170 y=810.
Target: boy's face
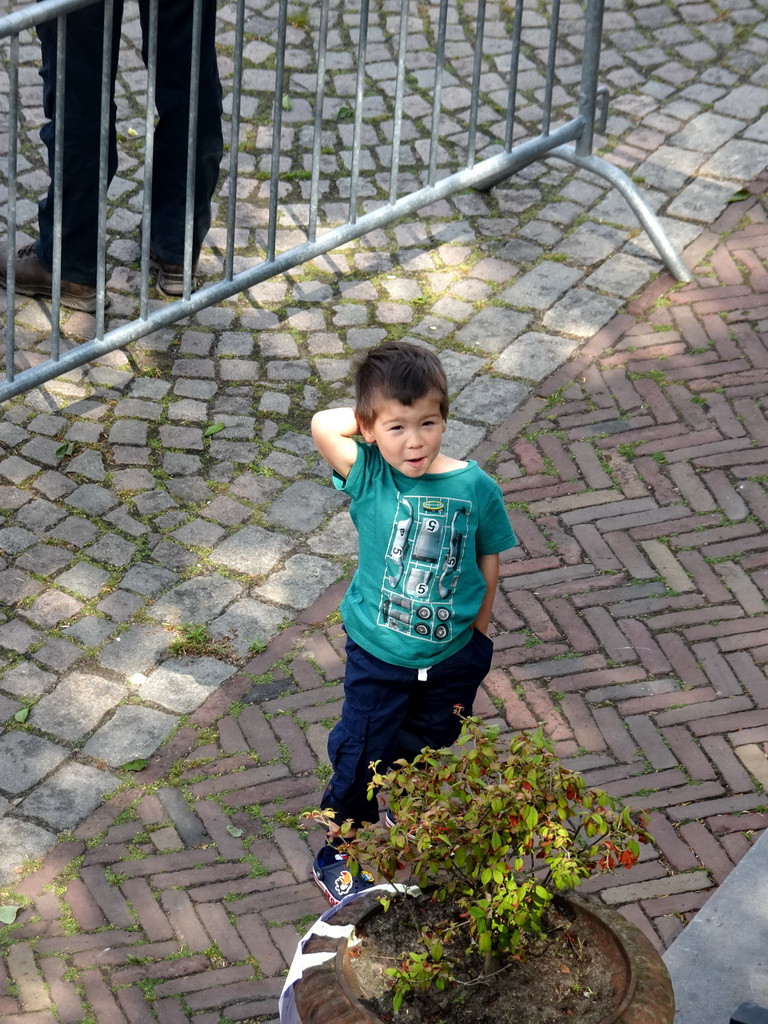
x=408 y=436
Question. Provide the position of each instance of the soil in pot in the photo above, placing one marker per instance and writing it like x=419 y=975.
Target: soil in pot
x=564 y=977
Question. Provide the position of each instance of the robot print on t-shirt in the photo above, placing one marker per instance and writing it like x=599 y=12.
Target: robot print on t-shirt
x=423 y=565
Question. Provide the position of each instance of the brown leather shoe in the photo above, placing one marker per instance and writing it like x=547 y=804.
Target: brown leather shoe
x=34 y=278
x=170 y=276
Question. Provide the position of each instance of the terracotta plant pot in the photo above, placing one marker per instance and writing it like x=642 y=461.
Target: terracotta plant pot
x=329 y=994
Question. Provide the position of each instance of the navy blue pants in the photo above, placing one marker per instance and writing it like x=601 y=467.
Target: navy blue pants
x=389 y=713
x=82 y=113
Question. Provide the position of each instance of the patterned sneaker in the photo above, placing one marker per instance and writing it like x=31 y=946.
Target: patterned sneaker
x=334 y=877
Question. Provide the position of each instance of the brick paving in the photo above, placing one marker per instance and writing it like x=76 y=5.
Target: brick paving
x=632 y=620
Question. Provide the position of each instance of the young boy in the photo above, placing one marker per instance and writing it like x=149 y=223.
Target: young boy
x=418 y=609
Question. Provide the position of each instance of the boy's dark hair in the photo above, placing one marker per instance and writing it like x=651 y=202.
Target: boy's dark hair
x=400 y=372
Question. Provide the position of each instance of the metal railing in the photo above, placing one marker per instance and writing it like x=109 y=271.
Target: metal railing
x=568 y=136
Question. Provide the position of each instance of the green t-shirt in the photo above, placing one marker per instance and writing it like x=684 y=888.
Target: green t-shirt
x=418 y=587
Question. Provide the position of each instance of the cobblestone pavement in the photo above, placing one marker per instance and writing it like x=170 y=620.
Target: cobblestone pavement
x=631 y=441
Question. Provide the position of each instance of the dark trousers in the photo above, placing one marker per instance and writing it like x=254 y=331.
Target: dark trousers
x=389 y=713
x=82 y=113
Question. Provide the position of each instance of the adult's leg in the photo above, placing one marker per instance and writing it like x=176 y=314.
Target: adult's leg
x=376 y=701
x=82 y=114
x=174 y=63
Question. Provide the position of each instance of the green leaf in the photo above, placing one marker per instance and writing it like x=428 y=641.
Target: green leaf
x=345 y=114
x=530 y=816
x=21 y=715
x=287 y=102
x=136 y=765
x=65 y=449
x=8 y=914
x=739 y=196
x=235 y=832
x=213 y=428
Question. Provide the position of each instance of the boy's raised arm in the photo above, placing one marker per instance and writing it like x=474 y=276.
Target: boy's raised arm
x=332 y=432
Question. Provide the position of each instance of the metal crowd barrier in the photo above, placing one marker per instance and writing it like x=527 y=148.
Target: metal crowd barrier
x=571 y=141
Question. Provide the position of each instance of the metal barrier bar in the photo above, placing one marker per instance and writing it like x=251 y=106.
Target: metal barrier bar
x=362 y=43
x=476 y=71
x=317 y=140
x=590 y=71
x=514 y=70
x=101 y=230
x=434 y=141
x=633 y=196
x=234 y=139
x=571 y=141
x=551 y=63
x=58 y=183
x=16 y=22
x=13 y=165
x=394 y=163
x=149 y=151
x=500 y=167
x=194 y=102
x=277 y=129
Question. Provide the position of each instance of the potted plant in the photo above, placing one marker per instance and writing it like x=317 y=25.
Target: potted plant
x=491 y=837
